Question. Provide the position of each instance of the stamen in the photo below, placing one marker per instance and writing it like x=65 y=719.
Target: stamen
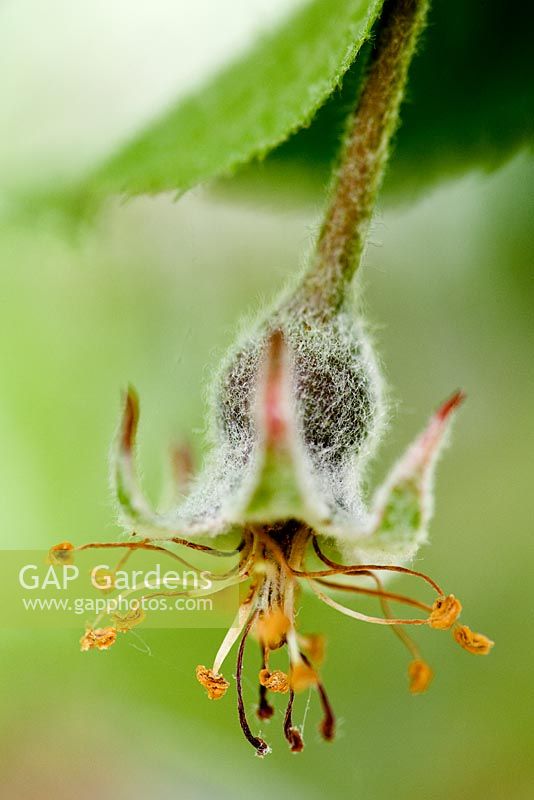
x=234 y=631
x=292 y=734
x=475 y=643
x=276 y=681
x=191 y=593
x=62 y=553
x=302 y=675
x=420 y=676
x=142 y=600
x=261 y=747
x=148 y=544
x=104 y=580
x=376 y=593
x=272 y=627
x=357 y=568
x=204 y=548
x=215 y=684
x=314 y=646
x=364 y=617
x=445 y=612
x=125 y=622
x=123 y=560
x=324 y=558
x=98 y=639
x=419 y=673
x=275 y=549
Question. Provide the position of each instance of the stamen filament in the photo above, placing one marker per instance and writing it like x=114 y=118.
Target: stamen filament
x=293 y=647
x=205 y=548
x=146 y=544
x=275 y=549
x=383 y=596
x=365 y=568
x=399 y=632
x=356 y=568
x=170 y=593
x=376 y=593
x=233 y=633
x=349 y=612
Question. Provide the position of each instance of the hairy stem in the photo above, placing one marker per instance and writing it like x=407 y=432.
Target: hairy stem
x=364 y=156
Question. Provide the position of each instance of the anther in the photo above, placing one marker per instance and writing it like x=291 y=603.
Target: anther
x=302 y=676
x=62 y=553
x=272 y=628
x=216 y=686
x=475 y=643
x=445 y=612
x=98 y=639
x=420 y=676
x=276 y=681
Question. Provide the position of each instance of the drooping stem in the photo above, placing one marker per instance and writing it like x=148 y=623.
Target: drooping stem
x=364 y=156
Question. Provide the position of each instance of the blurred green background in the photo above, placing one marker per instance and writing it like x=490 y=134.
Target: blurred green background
x=152 y=293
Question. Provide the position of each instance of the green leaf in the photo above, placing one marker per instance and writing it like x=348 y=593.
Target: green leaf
x=274 y=119
x=468 y=106
x=250 y=107
x=470 y=100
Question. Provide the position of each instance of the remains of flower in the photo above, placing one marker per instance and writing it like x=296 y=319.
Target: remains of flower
x=297 y=414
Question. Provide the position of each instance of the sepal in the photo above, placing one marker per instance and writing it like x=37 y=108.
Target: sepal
x=402 y=507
